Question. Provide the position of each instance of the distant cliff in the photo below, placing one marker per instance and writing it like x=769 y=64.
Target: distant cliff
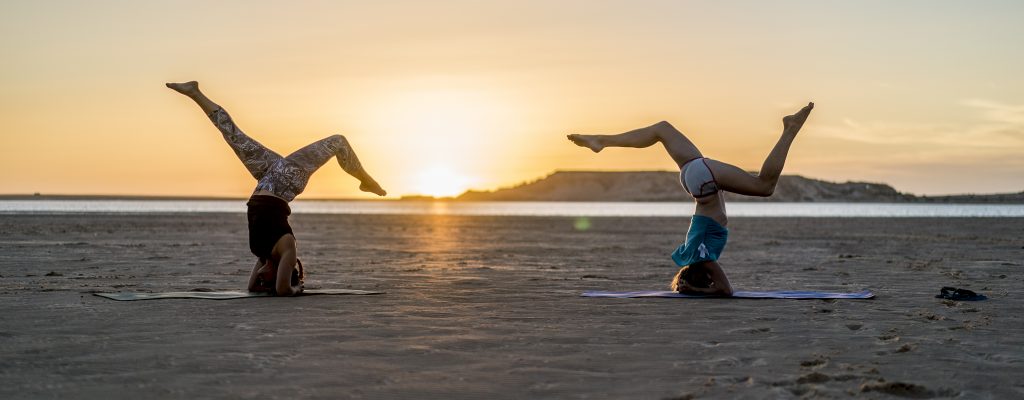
x=664 y=186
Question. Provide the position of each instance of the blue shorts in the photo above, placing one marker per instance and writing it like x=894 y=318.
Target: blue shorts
x=704 y=242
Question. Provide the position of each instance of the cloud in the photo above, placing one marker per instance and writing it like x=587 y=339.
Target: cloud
x=998 y=112
x=986 y=139
x=997 y=126
x=1001 y=122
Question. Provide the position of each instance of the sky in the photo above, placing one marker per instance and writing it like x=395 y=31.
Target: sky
x=440 y=96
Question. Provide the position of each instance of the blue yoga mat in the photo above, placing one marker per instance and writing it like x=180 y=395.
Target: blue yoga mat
x=778 y=294
x=132 y=296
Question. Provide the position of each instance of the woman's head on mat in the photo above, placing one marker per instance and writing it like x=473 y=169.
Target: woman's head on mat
x=265 y=276
x=694 y=275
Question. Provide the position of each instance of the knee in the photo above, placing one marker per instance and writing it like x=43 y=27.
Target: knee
x=338 y=144
x=338 y=139
x=663 y=126
x=664 y=129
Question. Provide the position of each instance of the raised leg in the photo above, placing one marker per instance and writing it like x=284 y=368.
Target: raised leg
x=313 y=156
x=256 y=157
x=191 y=89
x=731 y=178
x=676 y=144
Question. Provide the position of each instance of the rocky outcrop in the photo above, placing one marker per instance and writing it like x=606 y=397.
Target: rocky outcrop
x=664 y=186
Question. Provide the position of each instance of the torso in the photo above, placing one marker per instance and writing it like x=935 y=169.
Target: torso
x=267 y=193
x=712 y=207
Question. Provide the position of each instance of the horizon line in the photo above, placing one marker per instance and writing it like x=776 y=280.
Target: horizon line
x=418 y=196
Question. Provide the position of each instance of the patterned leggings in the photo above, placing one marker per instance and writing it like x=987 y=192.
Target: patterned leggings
x=285 y=177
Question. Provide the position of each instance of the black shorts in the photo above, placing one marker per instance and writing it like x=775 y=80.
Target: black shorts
x=268 y=221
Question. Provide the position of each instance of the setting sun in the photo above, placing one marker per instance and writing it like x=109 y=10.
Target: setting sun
x=439 y=181
x=443 y=130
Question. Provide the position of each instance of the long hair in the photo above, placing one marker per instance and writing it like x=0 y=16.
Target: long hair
x=693 y=275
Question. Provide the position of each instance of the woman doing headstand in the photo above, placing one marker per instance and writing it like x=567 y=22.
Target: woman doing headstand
x=279 y=180
x=705 y=179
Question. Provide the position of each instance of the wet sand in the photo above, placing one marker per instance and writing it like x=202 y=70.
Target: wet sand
x=488 y=307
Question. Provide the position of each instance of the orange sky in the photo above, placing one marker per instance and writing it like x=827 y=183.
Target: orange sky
x=440 y=96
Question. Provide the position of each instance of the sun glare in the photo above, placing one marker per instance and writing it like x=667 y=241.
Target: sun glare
x=444 y=132
x=440 y=181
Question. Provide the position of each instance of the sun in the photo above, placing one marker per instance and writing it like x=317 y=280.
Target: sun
x=442 y=136
x=441 y=181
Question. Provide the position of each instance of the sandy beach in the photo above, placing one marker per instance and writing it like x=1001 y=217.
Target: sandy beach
x=489 y=307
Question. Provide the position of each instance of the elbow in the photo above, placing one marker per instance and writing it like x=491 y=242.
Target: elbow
x=285 y=290
x=766 y=187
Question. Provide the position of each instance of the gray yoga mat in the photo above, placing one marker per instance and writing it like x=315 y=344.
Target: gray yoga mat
x=228 y=295
x=778 y=294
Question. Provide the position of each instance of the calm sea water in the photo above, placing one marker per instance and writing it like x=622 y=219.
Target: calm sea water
x=518 y=208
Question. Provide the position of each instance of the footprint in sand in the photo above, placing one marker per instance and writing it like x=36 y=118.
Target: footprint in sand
x=813 y=377
x=812 y=363
x=752 y=330
x=905 y=348
x=886 y=339
x=903 y=389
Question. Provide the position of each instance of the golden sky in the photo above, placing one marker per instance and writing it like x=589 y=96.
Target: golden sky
x=438 y=96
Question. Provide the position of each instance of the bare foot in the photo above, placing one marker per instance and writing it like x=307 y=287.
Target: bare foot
x=588 y=141
x=186 y=88
x=370 y=185
x=792 y=123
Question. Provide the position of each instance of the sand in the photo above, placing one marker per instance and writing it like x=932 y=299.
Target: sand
x=488 y=307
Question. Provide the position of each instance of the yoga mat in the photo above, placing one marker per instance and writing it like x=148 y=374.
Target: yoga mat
x=132 y=296
x=778 y=294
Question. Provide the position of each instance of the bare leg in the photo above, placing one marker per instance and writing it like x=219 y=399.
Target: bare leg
x=256 y=157
x=191 y=89
x=313 y=156
x=676 y=144
x=733 y=179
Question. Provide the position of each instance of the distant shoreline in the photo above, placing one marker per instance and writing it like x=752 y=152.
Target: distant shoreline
x=626 y=186
x=662 y=186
